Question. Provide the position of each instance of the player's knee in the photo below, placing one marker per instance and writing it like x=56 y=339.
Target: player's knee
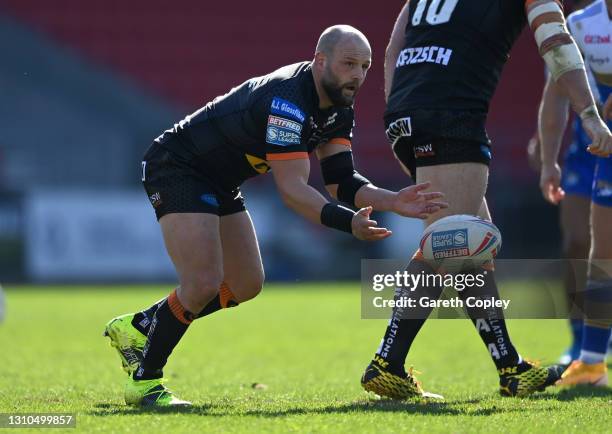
x=200 y=288
x=252 y=287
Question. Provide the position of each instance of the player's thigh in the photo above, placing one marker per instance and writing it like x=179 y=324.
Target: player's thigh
x=575 y=213
x=193 y=243
x=464 y=186
x=242 y=266
x=483 y=212
x=601 y=210
x=600 y=263
x=601 y=239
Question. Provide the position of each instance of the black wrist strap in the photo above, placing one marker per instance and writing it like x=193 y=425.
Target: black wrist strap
x=337 y=217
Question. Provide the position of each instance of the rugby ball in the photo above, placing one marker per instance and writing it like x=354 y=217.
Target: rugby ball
x=460 y=242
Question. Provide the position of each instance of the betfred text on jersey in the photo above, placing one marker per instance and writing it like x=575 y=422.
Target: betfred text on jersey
x=431 y=54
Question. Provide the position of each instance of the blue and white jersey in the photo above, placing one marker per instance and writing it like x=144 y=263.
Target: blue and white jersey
x=585 y=174
x=592 y=29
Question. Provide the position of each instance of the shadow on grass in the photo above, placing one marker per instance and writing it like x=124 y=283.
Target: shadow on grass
x=105 y=409
x=456 y=408
x=573 y=393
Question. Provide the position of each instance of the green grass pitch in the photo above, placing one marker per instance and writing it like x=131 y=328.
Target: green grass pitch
x=306 y=343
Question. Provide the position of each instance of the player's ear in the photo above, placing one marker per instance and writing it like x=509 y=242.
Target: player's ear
x=319 y=59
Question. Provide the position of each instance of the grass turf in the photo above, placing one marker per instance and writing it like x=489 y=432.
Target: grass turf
x=305 y=343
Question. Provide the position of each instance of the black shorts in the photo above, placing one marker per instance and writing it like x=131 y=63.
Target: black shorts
x=429 y=138
x=174 y=186
x=413 y=154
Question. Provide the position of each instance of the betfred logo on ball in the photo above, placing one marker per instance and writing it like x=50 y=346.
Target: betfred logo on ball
x=460 y=242
x=450 y=244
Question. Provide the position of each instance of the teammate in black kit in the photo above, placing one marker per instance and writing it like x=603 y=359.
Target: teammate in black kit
x=442 y=66
x=192 y=175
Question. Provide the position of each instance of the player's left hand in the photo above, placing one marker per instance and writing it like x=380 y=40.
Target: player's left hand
x=414 y=202
x=600 y=135
x=550 y=183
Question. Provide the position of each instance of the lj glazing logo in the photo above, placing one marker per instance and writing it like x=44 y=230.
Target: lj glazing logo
x=450 y=244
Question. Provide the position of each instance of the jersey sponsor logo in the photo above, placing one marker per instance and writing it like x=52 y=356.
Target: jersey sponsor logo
x=284 y=123
x=449 y=244
x=398 y=129
x=599 y=61
x=282 y=137
x=597 y=39
x=429 y=54
x=421 y=151
x=155 y=199
x=330 y=120
x=260 y=166
x=283 y=132
x=210 y=199
x=280 y=106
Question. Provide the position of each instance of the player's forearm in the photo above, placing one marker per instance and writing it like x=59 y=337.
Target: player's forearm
x=576 y=86
x=559 y=51
x=552 y=121
x=393 y=49
x=304 y=200
x=378 y=198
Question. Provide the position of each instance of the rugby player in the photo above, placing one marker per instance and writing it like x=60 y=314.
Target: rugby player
x=574 y=209
x=590 y=178
x=192 y=175
x=442 y=66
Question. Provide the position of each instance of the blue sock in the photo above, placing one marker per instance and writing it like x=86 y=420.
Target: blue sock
x=576 y=326
x=594 y=344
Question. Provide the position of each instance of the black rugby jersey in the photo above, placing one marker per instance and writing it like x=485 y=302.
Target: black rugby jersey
x=452 y=59
x=272 y=117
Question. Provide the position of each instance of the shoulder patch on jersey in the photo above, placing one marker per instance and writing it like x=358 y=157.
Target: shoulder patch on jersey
x=283 y=132
x=280 y=106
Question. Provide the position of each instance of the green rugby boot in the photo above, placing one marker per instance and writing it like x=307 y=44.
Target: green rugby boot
x=127 y=340
x=151 y=393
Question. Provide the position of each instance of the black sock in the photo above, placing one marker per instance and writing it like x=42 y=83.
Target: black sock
x=142 y=320
x=405 y=323
x=168 y=326
x=490 y=323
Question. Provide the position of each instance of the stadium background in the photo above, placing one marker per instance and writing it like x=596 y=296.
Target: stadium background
x=86 y=85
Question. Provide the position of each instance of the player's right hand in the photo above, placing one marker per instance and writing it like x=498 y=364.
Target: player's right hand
x=365 y=229
x=599 y=133
x=550 y=183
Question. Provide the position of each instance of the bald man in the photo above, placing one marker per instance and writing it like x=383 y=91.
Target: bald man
x=192 y=174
